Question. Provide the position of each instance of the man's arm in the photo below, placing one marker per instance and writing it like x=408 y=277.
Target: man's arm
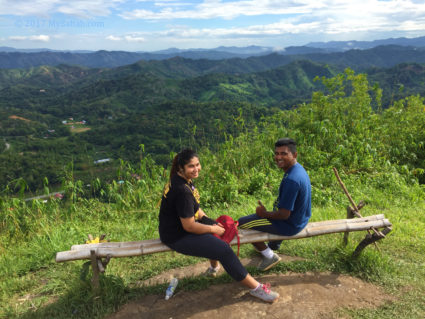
x=281 y=213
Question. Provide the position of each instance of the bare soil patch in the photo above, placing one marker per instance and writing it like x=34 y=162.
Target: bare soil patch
x=80 y=129
x=308 y=295
x=15 y=117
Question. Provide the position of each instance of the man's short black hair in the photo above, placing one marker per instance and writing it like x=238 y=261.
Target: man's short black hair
x=289 y=142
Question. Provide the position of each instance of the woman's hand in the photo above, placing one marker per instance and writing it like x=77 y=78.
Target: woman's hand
x=191 y=226
x=217 y=229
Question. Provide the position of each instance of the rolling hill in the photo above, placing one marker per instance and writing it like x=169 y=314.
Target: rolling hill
x=164 y=103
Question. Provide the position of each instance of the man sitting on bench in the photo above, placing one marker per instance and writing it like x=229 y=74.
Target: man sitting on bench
x=292 y=208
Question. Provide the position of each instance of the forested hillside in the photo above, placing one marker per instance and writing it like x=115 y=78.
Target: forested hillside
x=53 y=118
x=342 y=126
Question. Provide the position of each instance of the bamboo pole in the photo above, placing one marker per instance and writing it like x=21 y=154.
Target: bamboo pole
x=246 y=236
x=250 y=236
x=147 y=242
x=355 y=208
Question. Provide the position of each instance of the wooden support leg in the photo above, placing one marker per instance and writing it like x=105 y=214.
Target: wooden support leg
x=95 y=268
x=351 y=213
x=369 y=239
x=102 y=263
x=106 y=260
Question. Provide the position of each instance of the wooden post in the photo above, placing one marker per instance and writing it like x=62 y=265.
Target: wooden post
x=369 y=239
x=95 y=268
x=350 y=214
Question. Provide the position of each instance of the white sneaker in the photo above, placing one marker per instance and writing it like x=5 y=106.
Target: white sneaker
x=211 y=272
x=267 y=263
x=264 y=293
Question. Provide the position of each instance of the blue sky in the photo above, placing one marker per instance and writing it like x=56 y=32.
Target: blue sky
x=138 y=25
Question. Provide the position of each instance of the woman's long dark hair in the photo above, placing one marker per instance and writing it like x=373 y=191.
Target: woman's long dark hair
x=181 y=159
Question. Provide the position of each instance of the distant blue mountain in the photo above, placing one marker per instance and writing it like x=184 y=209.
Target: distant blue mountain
x=340 y=46
x=252 y=50
x=354 y=54
x=170 y=52
x=10 y=49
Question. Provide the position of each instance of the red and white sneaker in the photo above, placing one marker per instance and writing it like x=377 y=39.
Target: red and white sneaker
x=264 y=293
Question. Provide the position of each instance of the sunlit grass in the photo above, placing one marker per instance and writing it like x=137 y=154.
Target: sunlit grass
x=33 y=286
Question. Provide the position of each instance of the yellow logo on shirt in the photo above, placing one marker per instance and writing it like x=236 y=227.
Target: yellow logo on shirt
x=166 y=189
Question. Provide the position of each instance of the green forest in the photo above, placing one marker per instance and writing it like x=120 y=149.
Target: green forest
x=53 y=119
x=345 y=120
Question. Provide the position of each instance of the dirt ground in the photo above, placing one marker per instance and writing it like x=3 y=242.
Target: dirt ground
x=309 y=295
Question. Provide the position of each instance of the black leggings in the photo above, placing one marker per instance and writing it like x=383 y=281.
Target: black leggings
x=209 y=246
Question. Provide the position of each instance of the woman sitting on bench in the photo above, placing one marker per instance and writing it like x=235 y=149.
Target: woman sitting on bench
x=185 y=228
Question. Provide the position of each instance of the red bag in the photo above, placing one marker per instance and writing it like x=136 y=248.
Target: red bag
x=231 y=229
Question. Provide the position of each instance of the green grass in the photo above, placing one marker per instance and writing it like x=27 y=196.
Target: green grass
x=34 y=286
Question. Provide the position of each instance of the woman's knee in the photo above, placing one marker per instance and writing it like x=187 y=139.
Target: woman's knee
x=227 y=253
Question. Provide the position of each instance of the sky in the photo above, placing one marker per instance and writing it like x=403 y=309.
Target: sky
x=139 y=25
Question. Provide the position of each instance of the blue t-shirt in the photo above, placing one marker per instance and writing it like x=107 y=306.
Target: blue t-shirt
x=295 y=196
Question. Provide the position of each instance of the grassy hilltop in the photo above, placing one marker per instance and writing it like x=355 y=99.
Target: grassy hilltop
x=379 y=153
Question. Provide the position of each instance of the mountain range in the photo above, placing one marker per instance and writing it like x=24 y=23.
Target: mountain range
x=51 y=115
x=317 y=51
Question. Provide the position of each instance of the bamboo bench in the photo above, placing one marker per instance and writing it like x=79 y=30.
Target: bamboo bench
x=101 y=253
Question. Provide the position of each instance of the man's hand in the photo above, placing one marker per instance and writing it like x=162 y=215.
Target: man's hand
x=261 y=211
x=281 y=213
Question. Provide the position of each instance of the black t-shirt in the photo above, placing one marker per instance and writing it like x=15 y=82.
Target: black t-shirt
x=177 y=201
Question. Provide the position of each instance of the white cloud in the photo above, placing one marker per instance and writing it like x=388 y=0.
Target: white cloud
x=80 y=8
x=330 y=16
x=224 y=10
x=369 y=16
x=334 y=15
x=188 y=22
x=39 y=38
x=130 y=38
x=318 y=17
x=127 y=38
x=88 y=8
x=113 y=38
x=340 y=10
x=273 y=29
